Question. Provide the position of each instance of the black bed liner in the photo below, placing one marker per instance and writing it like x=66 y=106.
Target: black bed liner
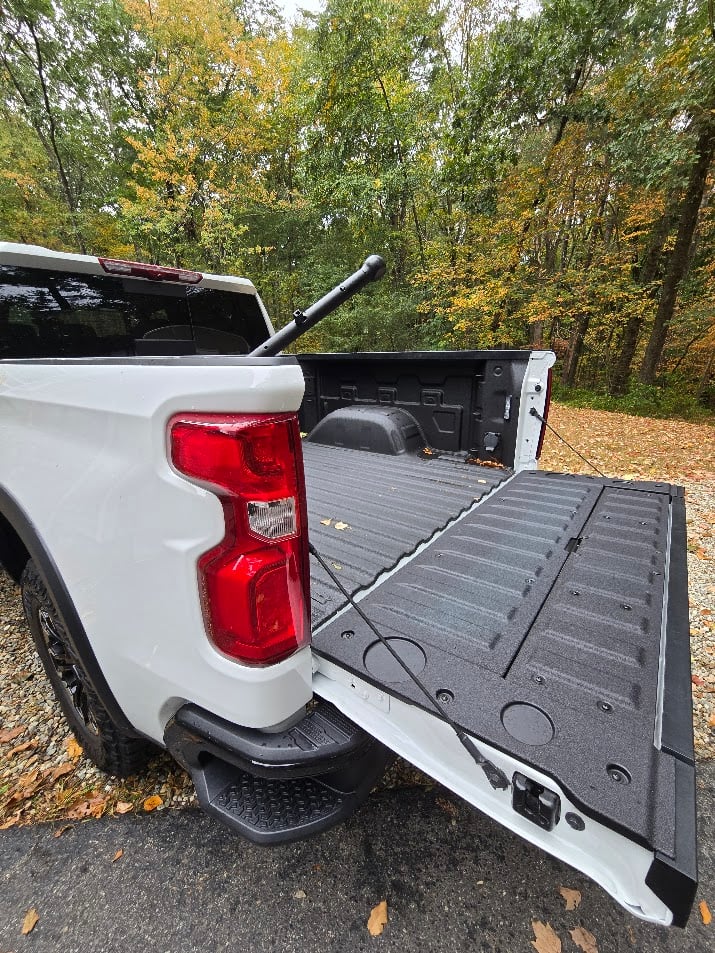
x=549 y=593
x=389 y=504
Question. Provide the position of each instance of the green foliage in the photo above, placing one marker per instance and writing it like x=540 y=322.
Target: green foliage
x=523 y=174
x=641 y=400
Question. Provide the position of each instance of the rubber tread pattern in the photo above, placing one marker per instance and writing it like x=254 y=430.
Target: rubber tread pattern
x=276 y=805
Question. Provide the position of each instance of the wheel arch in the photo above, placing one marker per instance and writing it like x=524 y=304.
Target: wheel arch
x=20 y=540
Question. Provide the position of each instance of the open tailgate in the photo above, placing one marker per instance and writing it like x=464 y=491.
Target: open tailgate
x=548 y=613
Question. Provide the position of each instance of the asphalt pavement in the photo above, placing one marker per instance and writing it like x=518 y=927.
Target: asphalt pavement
x=453 y=880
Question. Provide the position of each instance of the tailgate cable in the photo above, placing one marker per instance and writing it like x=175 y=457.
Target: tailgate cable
x=496 y=777
x=535 y=413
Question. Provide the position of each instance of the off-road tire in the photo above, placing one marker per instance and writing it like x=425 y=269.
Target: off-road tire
x=110 y=747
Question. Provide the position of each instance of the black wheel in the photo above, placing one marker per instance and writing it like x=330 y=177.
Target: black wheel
x=111 y=748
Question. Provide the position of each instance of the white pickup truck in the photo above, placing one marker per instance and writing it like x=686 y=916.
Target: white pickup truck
x=282 y=614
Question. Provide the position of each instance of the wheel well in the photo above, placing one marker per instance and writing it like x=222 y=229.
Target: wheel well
x=13 y=553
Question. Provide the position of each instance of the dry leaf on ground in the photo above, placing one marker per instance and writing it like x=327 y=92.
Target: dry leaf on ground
x=120 y=853
x=449 y=807
x=572 y=897
x=152 y=803
x=584 y=940
x=326 y=522
x=11 y=822
x=91 y=807
x=123 y=807
x=705 y=913
x=23 y=747
x=74 y=750
x=62 y=769
x=341 y=525
x=31 y=918
x=300 y=895
x=61 y=830
x=546 y=940
x=9 y=733
x=378 y=919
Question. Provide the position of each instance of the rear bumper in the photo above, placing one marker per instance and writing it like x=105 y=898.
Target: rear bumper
x=273 y=788
x=322 y=742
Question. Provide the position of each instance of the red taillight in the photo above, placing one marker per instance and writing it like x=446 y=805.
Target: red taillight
x=255 y=585
x=545 y=415
x=137 y=269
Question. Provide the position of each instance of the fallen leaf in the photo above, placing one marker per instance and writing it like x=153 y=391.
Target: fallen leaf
x=74 y=750
x=152 y=803
x=61 y=830
x=545 y=939
x=65 y=768
x=378 y=919
x=326 y=522
x=337 y=566
x=449 y=807
x=11 y=822
x=705 y=913
x=341 y=525
x=119 y=854
x=300 y=895
x=123 y=807
x=711 y=720
x=631 y=935
x=28 y=924
x=584 y=940
x=23 y=747
x=29 y=778
x=91 y=807
x=572 y=897
x=9 y=733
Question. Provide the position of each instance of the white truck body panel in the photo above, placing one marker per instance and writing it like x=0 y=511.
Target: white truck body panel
x=125 y=530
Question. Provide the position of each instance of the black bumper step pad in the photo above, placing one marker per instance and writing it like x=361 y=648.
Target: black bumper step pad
x=540 y=615
x=277 y=787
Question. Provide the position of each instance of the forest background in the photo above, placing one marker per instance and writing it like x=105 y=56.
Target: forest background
x=535 y=176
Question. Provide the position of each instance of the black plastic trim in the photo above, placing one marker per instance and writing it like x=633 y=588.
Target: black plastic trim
x=677 y=729
x=438 y=356
x=322 y=742
x=39 y=553
x=674 y=880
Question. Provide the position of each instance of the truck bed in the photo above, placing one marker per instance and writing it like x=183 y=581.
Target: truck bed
x=549 y=610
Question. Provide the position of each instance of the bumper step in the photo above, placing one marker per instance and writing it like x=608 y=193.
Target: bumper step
x=273 y=788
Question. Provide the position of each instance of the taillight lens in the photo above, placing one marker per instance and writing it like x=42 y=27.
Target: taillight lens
x=545 y=415
x=255 y=585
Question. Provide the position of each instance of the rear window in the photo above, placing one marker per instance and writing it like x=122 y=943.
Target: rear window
x=47 y=313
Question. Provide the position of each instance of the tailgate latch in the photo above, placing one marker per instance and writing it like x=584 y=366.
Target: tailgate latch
x=535 y=802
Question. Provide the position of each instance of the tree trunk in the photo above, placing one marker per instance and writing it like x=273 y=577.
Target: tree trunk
x=647 y=273
x=677 y=266
x=536 y=334
x=568 y=375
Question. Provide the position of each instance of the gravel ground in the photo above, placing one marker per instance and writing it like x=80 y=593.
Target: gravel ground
x=44 y=777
